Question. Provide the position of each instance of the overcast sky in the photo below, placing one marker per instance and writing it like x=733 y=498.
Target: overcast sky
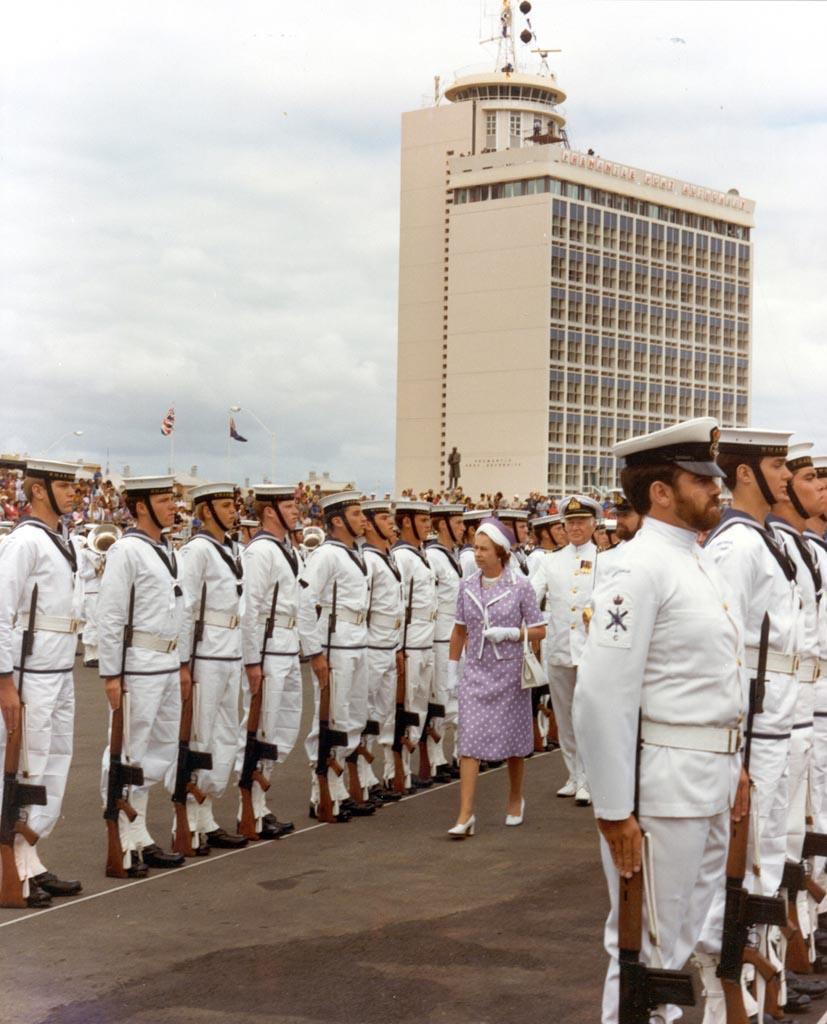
x=199 y=206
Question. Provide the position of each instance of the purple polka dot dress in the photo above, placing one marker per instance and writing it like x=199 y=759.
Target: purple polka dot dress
x=495 y=718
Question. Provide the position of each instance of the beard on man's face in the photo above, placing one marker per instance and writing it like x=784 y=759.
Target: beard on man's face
x=699 y=516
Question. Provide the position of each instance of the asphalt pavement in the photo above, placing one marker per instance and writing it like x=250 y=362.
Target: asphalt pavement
x=380 y=920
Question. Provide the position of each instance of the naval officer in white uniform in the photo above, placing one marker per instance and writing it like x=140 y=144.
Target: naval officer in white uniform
x=661 y=667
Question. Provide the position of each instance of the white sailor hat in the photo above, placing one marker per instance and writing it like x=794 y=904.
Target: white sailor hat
x=512 y=513
x=473 y=515
x=610 y=525
x=410 y=505
x=820 y=464
x=273 y=492
x=447 y=509
x=206 y=492
x=578 y=505
x=12 y=463
x=799 y=456
x=551 y=520
x=140 y=485
x=341 y=500
x=377 y=505
x=249 y=523
x=753 y=441
x=691 y=446
x=46 y=469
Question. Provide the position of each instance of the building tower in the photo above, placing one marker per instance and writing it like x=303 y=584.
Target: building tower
x=553 y=302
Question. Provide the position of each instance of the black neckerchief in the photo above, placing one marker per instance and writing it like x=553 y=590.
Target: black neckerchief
x=452 y=558
x=387 y=558
x=66 y=548
x=228 y=556
x=732 y=517
x=166 y=554
x=807 y=556
x=286 y=549
x=522 y=560
x=403 y=545
x=352 y=554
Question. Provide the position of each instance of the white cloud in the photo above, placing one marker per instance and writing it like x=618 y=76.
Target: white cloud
x=200 y=205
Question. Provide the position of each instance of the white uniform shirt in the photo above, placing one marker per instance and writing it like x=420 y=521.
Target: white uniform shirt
x=267 y=561
x=467 y=562
x=663 y=642
x=387 y=608
x=90 y=568
x=447 y=573
x=565 y=581
x=817 y=546
x=415 y=566
x=153 y=569
x=335 y=562
x=206 y=562
x=33 y=554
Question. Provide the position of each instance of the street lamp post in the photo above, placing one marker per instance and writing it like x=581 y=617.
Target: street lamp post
x=54 y=444
x=272 y=433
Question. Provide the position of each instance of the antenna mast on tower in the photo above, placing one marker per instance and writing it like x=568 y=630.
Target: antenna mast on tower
x=507 y=61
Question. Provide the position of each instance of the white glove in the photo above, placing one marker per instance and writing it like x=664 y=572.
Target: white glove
x=453 y=679
x=496 y=634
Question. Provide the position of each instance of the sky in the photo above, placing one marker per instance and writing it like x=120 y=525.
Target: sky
x=199 y=206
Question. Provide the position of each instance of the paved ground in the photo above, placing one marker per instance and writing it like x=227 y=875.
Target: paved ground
x=380 y=920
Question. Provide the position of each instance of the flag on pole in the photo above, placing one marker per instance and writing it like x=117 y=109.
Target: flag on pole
x=234 y=434
x=168 y=422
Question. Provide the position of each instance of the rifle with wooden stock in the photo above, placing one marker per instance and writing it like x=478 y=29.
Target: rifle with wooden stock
x=121 y=775
x=798 y=955
x=189 y=761
x=642 y=988
x=328 y=738
x=404 y=718
x=742 y=909
x=17 y=795
x=256 y=750
x=429 y=732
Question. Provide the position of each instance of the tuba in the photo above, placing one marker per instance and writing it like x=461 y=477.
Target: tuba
x=100 y=539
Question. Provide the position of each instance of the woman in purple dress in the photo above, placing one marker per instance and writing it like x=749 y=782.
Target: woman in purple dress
x=495 y=608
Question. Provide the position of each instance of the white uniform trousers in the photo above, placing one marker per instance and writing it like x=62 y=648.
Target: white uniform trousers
x=89 y=636
x=801 y=750
x=214 y=729
x=690 y=858
x=561 y=681
x=818 y=774
x=150 y=741
x=281 y=712
x=419 y=677
x=348 y=711
x=50 y=717
x=446 y=726
x=381 y=709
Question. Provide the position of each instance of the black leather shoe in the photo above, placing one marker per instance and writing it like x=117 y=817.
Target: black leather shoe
x=268 y=832
x=819 y=965
x=343 y=816
x=136 y=869
x=273 y=822
x=154 y=857
x=55 y=886
x=797 y=1002
x=38 y=898
x=202 y=851
x=821 y=934
x=812 y=987
x=385 y=796
x=495 y=764
x=91 y=664
x=360 y=809
x=419 y=783
x=221 y=839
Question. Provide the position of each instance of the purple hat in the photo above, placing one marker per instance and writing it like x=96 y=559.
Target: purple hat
x=498 y=532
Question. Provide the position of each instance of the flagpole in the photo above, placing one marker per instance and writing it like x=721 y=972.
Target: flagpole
x=228 y=452
x=172 y=452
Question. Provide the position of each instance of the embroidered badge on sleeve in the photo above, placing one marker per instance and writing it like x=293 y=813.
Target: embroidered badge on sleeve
x=613 y=622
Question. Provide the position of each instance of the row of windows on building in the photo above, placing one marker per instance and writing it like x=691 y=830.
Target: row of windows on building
x=611 y=273
x=670 y=215
x=638 y=396
x=513 y=129
x=641 y=357
x=507 y=91
x=627 y=316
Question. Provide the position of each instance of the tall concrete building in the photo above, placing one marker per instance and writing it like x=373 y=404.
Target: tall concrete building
x=553 y=302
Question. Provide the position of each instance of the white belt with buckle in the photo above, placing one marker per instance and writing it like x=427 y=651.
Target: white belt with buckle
x=355 y=618
x=151 y=642
x=385 y=621
x=51 y=623
x=279 y=619
x=809 y=669
x=222 y=620
x=423 y=614
x=709 y=738
x=786 y=664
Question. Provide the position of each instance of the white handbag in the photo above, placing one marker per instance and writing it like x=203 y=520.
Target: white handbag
x=533 y=674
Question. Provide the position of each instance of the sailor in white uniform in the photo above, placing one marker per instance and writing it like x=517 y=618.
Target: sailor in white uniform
x=660 y=674
x=815 y=537
x=628 y=521
x=270 y=561
x=212 y=579
x=37 y=575
x=546 y=735
x=762 y=582
x=141 y=574
x=443 y=554
x=337 y=569
x=471 y=520
x=517 y=520
x=565 y=582
x=413 y=520
x=91 y=563
x=386 y=611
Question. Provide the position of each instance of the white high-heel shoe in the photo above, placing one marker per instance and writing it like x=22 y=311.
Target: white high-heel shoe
x=516 y=819
x=461 y=831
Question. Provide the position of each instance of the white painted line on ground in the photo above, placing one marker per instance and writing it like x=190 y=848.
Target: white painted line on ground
x=203 y=861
